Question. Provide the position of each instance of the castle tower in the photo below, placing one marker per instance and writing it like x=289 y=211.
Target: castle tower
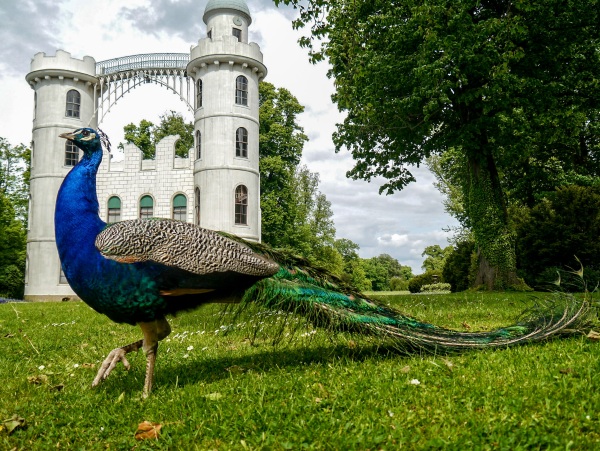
x=226 y=70
x=64 y=101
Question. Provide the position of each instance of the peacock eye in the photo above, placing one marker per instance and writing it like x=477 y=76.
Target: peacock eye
x=85 y=133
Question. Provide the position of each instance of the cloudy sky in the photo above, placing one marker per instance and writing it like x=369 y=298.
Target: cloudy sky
x=401 y=225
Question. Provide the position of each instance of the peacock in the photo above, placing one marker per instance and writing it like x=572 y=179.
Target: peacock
x=141 y=271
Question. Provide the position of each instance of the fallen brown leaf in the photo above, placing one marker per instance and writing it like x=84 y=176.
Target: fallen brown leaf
x=593 y=335
x=147 y=430
x=405 y=369
x=14 y=422
x=466 y=325
x=38 y=380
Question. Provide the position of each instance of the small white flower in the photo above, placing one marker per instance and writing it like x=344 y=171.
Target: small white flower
x=76 y=365
x=587 y=417
x=415 y=382
x=41 y=367
x=185 y=356
x=189 y=348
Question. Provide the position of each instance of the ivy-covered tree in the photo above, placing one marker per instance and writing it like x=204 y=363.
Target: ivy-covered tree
x=495 y=81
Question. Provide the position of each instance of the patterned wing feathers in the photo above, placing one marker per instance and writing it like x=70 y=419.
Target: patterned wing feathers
x=181 y=245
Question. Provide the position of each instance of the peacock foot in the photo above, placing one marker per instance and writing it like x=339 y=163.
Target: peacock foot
x=115 y=356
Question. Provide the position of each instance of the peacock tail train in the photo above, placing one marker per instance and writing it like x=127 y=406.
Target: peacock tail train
x=326 y=301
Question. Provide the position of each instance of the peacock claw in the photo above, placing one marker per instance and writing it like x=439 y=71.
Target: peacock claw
x=110 y=362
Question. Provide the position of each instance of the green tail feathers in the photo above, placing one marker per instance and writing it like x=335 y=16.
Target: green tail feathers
x=327 y=303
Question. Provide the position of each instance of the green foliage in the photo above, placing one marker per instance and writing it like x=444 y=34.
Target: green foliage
x=559 y=230
x=457 y=268
x=146 y=135
x=509 y=88
x=14 y=200
x=436 y=257
x=353 y=270
x=15 y=170
x=381 y=269
x=398 y=284
x=13 y=241
x=435 y=287
x=173 y=123
x=428 y=278
x=142 y=136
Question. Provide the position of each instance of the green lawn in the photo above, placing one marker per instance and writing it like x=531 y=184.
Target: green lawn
x=317 y=391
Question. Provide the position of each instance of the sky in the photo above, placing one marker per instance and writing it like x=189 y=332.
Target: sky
x=400 y=225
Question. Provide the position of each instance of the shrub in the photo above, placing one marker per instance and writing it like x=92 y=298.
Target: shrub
x=564 y=225
x=415 y=284
x=457 y=266
x=435 y=288
x=398 y=284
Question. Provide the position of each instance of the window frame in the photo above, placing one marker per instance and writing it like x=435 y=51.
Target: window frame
x=198 y=137
x=176 y=212
x=73 y=104
x=71 y=154
x=143 y=210
x=241 y=90
x=241 y=142
x=110 y=213
x=237 y=32
x=199 y=93
x=241 y=205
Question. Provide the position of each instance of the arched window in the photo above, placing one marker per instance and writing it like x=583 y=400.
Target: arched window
x=241 y=90
x=198 y=145
x=241 y=205
x=71 y=154
x=241 y=143
x=197 y=205
x=114 y=209
x=180 y=207
x=146 y=207
x=199 y=94
x=73 y=103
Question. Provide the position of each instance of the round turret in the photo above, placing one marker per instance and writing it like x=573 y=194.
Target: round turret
x=236 y=6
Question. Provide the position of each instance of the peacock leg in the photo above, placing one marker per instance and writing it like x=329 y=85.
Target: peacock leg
x=115 y=356
x=154 y=331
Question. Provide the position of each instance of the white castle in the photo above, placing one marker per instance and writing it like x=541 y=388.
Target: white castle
x=216 y=186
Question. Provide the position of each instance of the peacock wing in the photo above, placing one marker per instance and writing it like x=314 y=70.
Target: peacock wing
x=181 y=245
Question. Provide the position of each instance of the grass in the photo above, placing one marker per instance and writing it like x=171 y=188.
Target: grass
x=318 y=391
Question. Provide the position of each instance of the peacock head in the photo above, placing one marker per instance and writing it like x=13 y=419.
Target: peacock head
x=88 y=139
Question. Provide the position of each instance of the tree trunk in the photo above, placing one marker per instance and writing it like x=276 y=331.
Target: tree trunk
x=489 y=221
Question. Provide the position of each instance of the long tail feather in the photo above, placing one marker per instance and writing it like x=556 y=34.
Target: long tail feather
x=326 y=305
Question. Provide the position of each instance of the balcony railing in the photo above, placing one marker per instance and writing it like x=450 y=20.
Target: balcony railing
x=144 y=61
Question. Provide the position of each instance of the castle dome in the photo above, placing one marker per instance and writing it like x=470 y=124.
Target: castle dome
x=238 y=6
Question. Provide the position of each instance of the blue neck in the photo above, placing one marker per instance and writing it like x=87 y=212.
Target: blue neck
x=76 y=220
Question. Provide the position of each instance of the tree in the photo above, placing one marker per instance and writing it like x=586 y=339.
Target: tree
x=173 y=123
x=457 y=267
x=381 y=269
x=281 y=142
x=559 y=231
x=14 y=196
x=141 y=136
x=436 y=257
x=494 y=81
x=15 y=169
x=146 y=135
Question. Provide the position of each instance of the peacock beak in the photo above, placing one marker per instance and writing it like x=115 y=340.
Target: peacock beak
x=69 y=135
